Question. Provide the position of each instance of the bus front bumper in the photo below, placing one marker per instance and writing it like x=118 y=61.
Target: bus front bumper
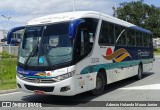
x=63 y=88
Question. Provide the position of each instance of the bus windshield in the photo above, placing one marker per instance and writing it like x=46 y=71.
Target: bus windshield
x=46 y=45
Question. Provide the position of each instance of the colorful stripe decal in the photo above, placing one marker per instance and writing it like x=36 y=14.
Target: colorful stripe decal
x=108 y=66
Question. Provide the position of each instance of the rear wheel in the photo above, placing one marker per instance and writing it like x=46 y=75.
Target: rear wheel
x=100 y=84
x=140 y=72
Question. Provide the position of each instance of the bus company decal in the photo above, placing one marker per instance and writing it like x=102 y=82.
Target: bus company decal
x=22 y=72
x=34 y=74
x=118 y=56
x=43 y=74
x=143 y=53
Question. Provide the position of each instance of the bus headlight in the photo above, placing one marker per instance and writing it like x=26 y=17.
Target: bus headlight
x=65 y=76
x=19 y=75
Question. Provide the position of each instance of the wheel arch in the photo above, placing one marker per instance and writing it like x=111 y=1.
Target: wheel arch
x=141 y=64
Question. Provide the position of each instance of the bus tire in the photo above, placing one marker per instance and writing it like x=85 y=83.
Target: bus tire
x=140 y=72
x=100 y=84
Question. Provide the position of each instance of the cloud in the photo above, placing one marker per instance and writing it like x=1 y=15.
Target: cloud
x=25 y=10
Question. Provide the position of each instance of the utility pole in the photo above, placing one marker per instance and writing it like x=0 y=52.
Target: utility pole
x=74 y=7
x=8 y=18
x=115 y=7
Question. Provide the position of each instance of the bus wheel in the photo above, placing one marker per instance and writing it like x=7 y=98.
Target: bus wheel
x=100 y=84
x=140 y=72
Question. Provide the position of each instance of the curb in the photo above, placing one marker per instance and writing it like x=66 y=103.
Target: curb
x=8 y=91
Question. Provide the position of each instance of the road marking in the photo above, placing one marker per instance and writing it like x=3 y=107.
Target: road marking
x=145 y=87
x=10 y=93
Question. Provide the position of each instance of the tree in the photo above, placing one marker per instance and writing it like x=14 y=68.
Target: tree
x=140 y=14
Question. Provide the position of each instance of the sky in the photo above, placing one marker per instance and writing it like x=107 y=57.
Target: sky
x=22 y=11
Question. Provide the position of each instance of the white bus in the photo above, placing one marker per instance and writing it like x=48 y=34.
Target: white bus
x=74 y=52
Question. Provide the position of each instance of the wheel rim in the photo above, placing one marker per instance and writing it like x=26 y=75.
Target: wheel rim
x=98 y=83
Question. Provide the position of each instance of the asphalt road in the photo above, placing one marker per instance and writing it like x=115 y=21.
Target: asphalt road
x=147 y=89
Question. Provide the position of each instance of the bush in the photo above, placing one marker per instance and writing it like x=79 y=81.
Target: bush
x=157 y=52
x=5 y=54
x=155 y=49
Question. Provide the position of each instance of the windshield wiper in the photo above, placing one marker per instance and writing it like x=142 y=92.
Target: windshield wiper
x=47 y=58
x=30 y=55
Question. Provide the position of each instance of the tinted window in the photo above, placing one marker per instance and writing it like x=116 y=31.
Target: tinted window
x=131 y=37
x=91 y=25
x=145 y=39
x=120 y=34
x=85 y=37
x=106 y=34
x=150 y=41
x=139 y=39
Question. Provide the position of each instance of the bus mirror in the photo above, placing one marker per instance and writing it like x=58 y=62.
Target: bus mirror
x=10 y=32
x=73 y=26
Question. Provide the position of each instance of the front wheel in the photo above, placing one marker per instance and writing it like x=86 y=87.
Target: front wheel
x=100 y=84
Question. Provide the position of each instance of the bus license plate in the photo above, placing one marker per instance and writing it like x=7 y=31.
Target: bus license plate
x=38 y=92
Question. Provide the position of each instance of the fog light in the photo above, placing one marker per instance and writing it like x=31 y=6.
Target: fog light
x=66 y=88
x=19 y=85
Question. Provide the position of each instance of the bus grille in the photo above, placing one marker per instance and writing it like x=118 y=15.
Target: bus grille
x=45 y=89
x=38 y=80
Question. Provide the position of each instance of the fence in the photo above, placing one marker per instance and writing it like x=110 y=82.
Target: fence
x=10 y=49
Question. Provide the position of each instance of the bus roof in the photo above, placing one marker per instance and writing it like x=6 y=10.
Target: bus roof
x=68 y=16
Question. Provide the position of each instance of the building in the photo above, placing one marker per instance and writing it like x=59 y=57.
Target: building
x=156 y=43
x=3 y=36
x=15 y=40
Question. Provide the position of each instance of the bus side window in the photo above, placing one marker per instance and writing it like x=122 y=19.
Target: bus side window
x=141 y=38
x=150 y=40
x=82 y=42
x=138 y=39
x=85 y=37
x=145 y=39
x=107 y=34
x=131 y=37
x=120 y=34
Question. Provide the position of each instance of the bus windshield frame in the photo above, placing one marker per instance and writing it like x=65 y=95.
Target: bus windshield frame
x=45 y=46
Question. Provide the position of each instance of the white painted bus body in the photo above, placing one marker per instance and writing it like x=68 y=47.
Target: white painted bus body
x=82 y=82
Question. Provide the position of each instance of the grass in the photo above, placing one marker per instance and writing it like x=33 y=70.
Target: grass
x=157 y=51
x=8 y=84
x=8 y=73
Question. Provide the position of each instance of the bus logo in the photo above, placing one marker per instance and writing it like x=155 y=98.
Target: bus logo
x=118 y=56
x=37 y=80
x=43 y=74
